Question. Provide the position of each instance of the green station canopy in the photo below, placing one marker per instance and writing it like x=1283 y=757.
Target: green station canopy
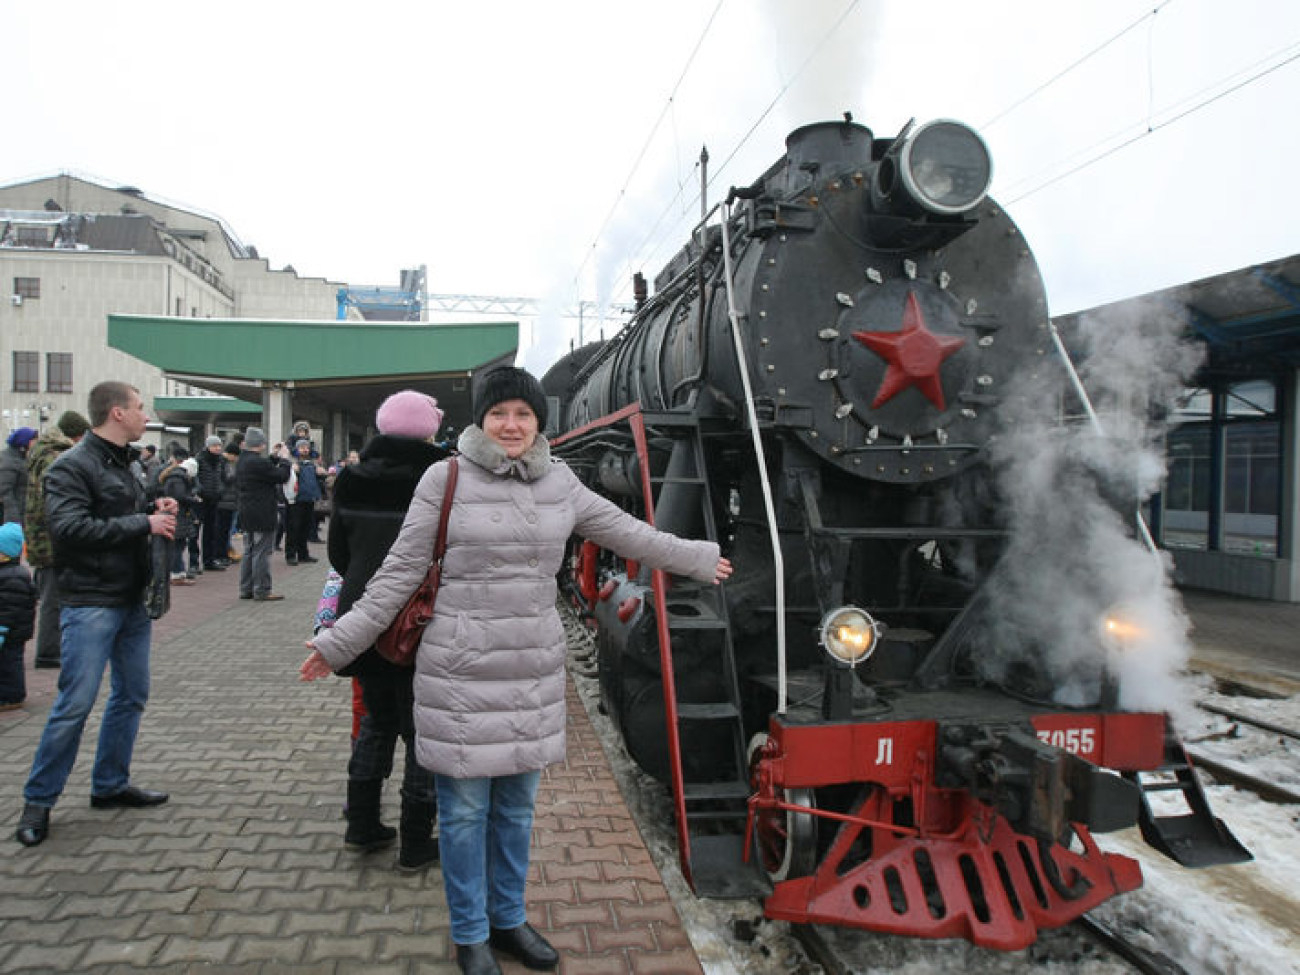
x=327 y=366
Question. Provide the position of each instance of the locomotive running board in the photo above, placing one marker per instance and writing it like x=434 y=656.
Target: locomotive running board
x=1193 y=839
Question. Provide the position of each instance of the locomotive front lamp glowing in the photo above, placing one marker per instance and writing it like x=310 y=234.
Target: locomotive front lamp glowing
x=946 y=167
x=1121 y=626
x=849 y=634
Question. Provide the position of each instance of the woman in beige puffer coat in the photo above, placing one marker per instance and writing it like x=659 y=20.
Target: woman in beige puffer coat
x=490 y=680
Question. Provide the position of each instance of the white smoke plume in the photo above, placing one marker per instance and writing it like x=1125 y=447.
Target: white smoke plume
x=1077 y=555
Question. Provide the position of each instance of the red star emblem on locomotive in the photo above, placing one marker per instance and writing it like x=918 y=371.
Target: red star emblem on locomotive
x=914 y=354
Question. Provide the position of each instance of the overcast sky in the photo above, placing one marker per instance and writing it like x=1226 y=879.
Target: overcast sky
x=549 y=149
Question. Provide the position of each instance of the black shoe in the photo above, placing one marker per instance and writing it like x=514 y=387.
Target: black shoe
x=131 y=797
x=33 y=825
x=245 y=595
x=368 y=838
x=290 y=560
x=213 y=567
x=417 y=856
x=47 y=664
x=308 y=558
x=476 y=960
x=526 y=945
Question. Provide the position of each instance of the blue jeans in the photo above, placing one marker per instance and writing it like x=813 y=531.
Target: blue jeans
x=485 y=827
x=94 y=638
x=255 y=569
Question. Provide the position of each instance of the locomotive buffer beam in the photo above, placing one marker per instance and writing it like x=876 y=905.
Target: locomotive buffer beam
x=1038 y=788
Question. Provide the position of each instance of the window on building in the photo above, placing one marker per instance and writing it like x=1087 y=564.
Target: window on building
x=58 y=372
x=27 y=287
x=1231 y=432
x=1252 y=468
x=27 y=372
x=1187 y=489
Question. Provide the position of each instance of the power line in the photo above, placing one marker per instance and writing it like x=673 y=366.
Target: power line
x=654 y=129
x=1066 y=70
x=1290 y=54
x=637 y=258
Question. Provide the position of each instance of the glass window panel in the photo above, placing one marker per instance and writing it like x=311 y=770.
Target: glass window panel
x=1258 y=397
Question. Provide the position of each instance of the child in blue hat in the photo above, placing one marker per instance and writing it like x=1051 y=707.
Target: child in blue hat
x=17 y=616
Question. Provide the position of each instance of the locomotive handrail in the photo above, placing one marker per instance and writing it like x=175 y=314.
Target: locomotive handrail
x=778 y=561
x=1095 y=422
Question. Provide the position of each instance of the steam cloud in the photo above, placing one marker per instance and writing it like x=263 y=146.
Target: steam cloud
x=1072 y=496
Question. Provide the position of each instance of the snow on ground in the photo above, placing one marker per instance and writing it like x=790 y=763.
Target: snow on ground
x=1242 y=919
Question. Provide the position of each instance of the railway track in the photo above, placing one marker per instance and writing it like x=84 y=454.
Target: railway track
x=1270 y=787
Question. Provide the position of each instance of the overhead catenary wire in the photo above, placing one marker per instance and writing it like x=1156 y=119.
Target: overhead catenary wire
x=649 y=140
x=1078 y=62
x=1289 y=54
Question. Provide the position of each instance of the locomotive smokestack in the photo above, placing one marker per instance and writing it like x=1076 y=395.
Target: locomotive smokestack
x=833 y=145
x=639 y=290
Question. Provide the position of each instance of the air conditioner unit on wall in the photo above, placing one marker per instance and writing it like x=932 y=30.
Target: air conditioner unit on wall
x=15 y=299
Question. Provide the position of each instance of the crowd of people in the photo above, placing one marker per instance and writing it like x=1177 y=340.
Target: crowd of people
x=481 y=712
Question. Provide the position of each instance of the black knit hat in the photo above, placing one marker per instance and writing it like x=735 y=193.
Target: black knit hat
x=507 y=382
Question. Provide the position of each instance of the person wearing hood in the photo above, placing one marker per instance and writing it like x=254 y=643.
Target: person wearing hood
x=13 y=475
x=371 y=498
x=489 y=683
x=66 y=431
x=17 y=616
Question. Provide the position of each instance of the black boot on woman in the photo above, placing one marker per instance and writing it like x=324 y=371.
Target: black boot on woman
x=365 y=832
x=419 y=846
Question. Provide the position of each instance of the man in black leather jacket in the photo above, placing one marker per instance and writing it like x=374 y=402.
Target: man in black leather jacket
x=100 y=524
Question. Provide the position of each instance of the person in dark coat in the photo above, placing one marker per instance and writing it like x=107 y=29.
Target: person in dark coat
x=17 y=616
x=70 y=427
x=370 y=502
x=257 y=476
x=214 y=479
x=101 y=524
x=177 y=480
x=13 y=475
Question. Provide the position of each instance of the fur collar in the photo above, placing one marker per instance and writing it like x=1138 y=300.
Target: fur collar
x=477 y=446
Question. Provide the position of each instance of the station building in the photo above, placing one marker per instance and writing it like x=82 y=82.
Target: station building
x=100 y=282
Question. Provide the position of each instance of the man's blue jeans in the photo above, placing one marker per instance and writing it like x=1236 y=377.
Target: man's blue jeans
x=484 y=828
x=94 y=638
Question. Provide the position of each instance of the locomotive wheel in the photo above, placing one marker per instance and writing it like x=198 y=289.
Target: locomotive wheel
x=786 y=841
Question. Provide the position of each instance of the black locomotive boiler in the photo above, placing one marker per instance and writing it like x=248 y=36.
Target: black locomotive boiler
x=818 y=381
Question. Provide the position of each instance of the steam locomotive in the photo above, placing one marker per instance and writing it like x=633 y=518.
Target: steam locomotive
x=821 y=381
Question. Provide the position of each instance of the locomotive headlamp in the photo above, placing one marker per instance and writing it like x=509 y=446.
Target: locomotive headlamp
x=1122 y=626
x=945 y=166
x=849 y=634
x=940 y=167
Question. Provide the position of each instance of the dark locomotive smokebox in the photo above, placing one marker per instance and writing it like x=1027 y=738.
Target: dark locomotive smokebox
x=900 y=652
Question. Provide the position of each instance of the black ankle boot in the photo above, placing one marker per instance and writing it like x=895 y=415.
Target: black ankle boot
x=419 y=846
x=525 y=945
x=476 y=960
x=365 y=832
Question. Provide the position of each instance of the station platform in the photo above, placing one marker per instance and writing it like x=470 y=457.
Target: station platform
x=244 y=870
